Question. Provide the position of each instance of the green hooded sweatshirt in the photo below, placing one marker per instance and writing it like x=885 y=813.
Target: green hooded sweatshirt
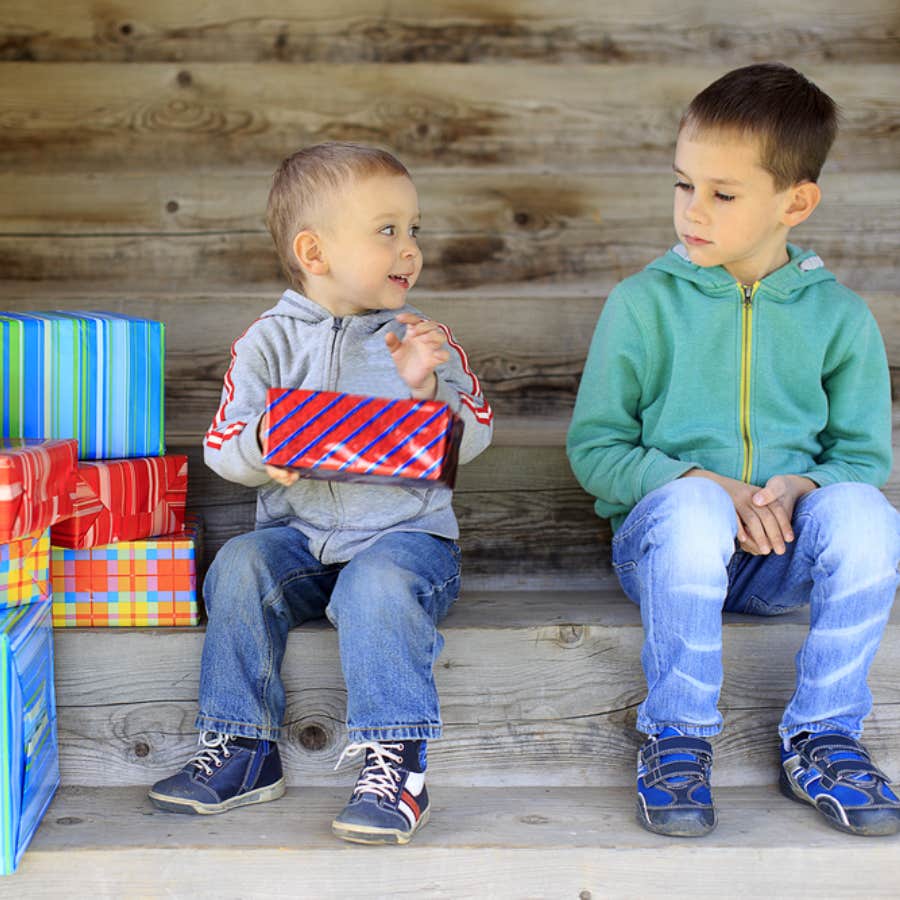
x=689 y=368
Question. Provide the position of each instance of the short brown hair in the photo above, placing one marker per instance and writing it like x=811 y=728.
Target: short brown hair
x=795 y=121
x=302 y=182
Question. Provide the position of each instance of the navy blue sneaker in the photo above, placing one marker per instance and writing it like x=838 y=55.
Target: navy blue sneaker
x=224 y=773
x=673 y=793
x=389 y=802
x=834 y=773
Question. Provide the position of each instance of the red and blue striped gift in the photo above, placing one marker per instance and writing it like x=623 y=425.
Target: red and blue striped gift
x=93 y=376
x=37 y=479
x=353 y=437
x=125 y=500
x=29 y=756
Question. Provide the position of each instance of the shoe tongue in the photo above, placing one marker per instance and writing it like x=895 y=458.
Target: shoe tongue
x=670 y=731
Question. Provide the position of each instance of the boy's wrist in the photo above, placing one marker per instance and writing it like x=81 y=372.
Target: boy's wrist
x=428 y=390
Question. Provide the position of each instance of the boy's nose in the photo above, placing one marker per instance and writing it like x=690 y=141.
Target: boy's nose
x=695 y=211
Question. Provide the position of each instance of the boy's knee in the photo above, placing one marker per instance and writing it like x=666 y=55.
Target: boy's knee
x=856 y=517
x=374 y=599
x=696 y=510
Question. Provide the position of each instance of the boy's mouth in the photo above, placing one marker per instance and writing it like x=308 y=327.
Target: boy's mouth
x=694 y=241
x=402 y=280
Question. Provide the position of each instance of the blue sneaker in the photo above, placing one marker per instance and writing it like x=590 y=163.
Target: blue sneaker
x=389 y=802
x=834 y=773
x=673 y=793
x=226 y=772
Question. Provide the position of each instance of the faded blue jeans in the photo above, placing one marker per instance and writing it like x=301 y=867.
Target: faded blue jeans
x=675 y=555
x=386 y=604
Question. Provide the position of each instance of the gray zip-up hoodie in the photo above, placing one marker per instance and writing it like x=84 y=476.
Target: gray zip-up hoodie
x=299 y=344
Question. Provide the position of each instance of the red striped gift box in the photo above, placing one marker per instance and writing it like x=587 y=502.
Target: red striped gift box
x=352 y=437
x=125 y=500
x=36 y=483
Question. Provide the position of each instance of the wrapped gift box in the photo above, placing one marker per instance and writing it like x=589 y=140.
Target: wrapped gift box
x=125 y=500
x=131 y=583
x=357 y=438
x=36 y=483
x=25 y=570
x=29 y=757
x=93 y=376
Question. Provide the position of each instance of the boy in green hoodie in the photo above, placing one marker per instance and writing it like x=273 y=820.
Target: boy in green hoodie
x=734 y=423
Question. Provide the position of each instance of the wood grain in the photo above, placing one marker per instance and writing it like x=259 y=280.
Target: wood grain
x=532 y=702
x=184 y=231
x=355 y=31
x=156 y=116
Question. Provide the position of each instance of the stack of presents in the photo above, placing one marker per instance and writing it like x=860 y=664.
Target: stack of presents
x=92 y=522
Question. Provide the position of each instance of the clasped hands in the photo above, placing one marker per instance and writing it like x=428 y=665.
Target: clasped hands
x=764 y=514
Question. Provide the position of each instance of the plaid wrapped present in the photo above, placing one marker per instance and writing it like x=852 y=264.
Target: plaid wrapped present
x=357 y=438
x=36 y=483
x=29 y=756
x=125 y=500
x=93 y=376
x=25 y=570
x=131 y=583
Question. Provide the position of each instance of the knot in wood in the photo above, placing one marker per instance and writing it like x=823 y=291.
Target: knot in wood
x=534 y=820
x=184 y=78
x=126 y=28
x=141 y=749
x=172 y=206
x=585 y=895
x=571 y=635
x=69 y=820
x=313 y=737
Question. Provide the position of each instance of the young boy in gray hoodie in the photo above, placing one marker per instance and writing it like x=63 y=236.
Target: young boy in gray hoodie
x=380 y=561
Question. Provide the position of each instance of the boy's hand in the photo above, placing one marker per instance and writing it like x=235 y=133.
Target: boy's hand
x=419 y=353
x=285 y=477
x=780 y=495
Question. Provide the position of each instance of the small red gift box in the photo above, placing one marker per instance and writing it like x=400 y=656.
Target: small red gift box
x=36 y=482
x=125 y=500
x=351 y=437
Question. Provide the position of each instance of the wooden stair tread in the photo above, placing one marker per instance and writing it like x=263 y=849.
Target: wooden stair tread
x=536 y=842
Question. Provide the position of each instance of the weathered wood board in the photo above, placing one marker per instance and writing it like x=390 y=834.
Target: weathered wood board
x=85 y=117
x=534 y=702
x=345 y=31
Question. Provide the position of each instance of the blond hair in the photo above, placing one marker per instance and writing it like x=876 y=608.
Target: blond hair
x=303 y=182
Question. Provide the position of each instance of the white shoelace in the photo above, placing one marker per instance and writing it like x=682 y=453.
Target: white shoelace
x=212 y=743
x=380 y=776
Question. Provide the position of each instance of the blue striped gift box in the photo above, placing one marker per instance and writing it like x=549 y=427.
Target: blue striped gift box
x=29 y=757
x=93 y=376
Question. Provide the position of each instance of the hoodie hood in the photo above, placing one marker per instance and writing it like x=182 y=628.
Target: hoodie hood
x=804 y=269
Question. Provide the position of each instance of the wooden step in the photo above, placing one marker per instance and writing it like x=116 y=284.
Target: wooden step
x=481 y=842
x=536 y=689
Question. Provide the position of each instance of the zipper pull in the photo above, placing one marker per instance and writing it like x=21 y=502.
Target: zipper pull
x=337 y=324
x=748 y=293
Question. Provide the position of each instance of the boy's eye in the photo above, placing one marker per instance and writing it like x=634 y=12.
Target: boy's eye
x=389 y=230
x=726 y=197
x=414 y=231
x=683 y=185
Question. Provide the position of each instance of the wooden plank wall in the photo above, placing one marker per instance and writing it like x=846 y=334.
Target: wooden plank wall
x=137 y=139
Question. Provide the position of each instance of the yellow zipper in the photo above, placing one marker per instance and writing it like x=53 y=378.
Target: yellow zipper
x=747 y=294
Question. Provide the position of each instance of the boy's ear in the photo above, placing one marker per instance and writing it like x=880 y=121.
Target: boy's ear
x=803 y=198
x=310 y=253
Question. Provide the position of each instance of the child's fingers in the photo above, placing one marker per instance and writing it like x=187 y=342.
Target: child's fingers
x=392 y=341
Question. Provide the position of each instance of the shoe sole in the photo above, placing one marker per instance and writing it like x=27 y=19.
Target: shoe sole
x=881 y=827
x=688 y=827
x=195 y=808
x=371 y=834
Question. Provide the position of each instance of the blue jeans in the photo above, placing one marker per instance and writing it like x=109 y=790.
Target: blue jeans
x=675 y=555
x=385 y=603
